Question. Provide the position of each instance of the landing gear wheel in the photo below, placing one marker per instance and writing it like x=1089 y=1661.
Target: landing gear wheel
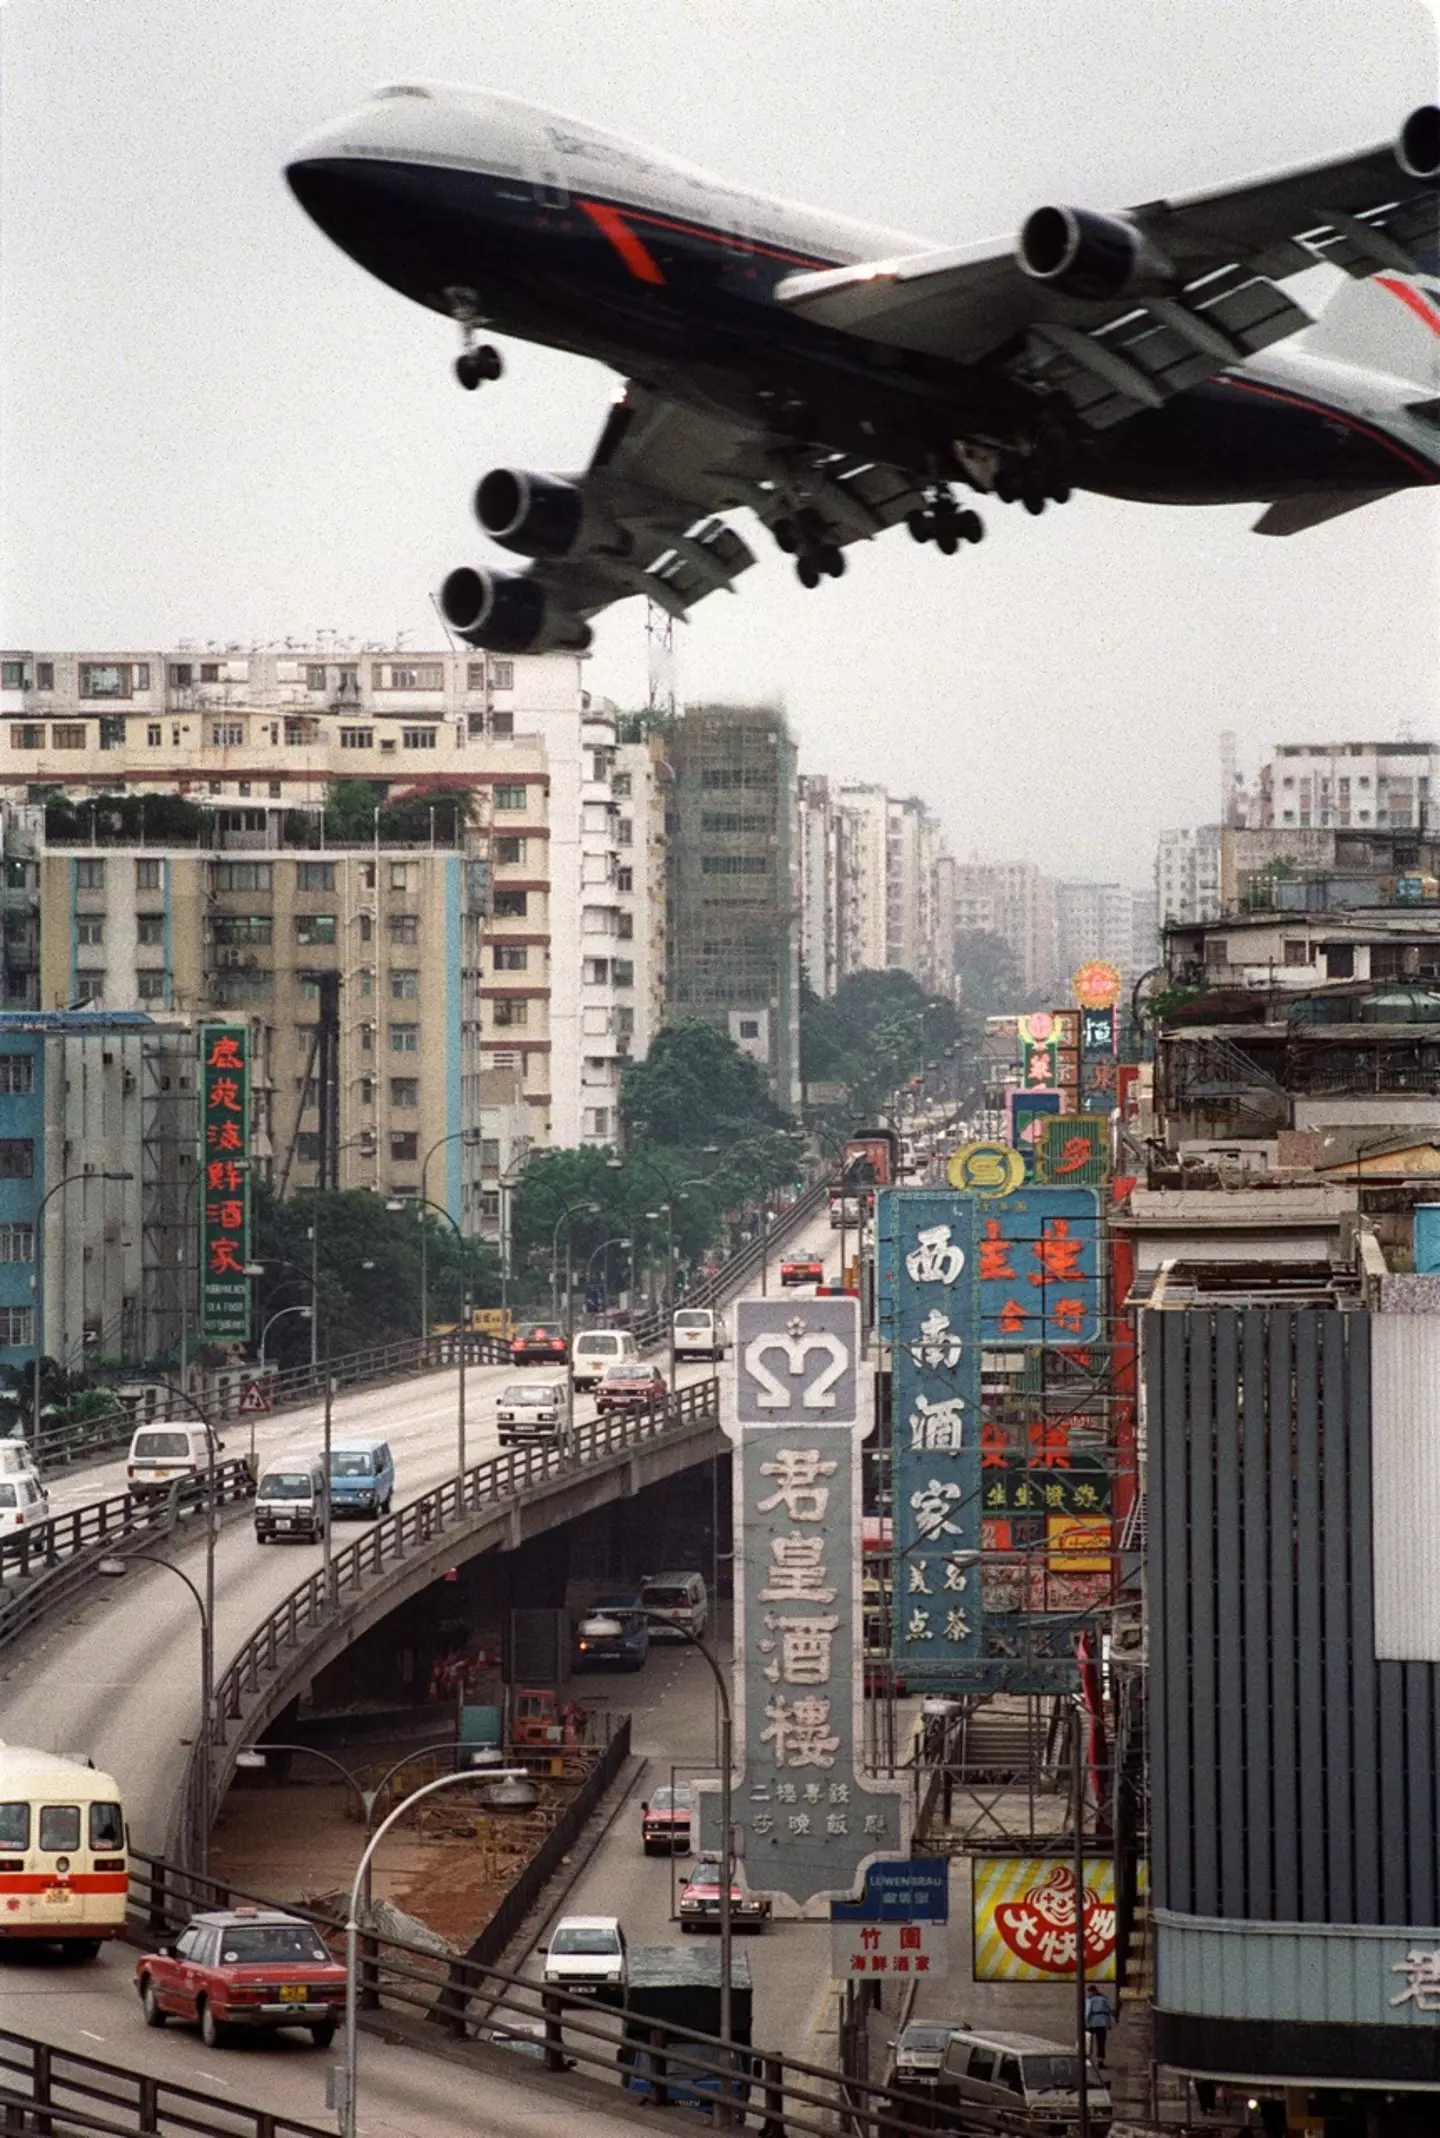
x=150 y=2005
x=831 y=559
x=1005 y=488
x=947 y=541
x=1034 y=501
x=1060 y=492
x=807 y=571
x=474 y=366
x=211 y=2032
x=970 y=527
x=808 y=520
x=919 y=524
x=785 y=536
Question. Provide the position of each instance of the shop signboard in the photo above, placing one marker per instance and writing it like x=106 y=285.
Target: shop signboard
x=224 y=1207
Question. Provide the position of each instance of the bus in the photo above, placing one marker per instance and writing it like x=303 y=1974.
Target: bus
x=870 y=1160
x=64 y=1870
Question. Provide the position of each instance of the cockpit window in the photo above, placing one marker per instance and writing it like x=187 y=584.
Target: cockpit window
x=404 y=89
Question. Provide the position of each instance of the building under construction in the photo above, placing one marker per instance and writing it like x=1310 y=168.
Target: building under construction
x=734 y=927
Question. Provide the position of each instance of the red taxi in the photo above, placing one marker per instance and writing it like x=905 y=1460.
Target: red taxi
x=632 y=1384
x=665 y=1821
x=700 y=1901
x=803 y=1269
x=244 y=1968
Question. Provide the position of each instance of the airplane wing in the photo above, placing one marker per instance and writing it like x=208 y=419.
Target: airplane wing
x=647 y=511
x=1120 y=311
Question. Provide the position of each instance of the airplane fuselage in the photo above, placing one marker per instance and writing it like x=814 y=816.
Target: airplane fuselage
x=534 y=225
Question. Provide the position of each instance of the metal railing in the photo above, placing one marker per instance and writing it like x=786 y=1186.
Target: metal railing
x=55 y=1559
x=48 y=2089
x=319 y=1602
x=732 y=1275
x=784 y=2093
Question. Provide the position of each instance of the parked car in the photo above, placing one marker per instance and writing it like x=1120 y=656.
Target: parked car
x=538 y=1343
x=699 y=1333
x=250 y=1969
x=613 y=1635
x=665 y=1820
x=586 y=1953
x=675 y=1604
x=595 y=1349
x=1020 y=2081
x=24 y=1502
x=530 y=1410
x=920 y=2051
x=700 y=1901
x=802 y=1269
x=633 y=1385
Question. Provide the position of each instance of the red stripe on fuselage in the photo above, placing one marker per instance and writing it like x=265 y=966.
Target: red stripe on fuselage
x=1335 y=415
x=1418 y=304
x=613 y=225
x=734 y=239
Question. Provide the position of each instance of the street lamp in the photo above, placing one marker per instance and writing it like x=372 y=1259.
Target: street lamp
x=67 y=1182
x=352 y=1931
x=365 y=1141
x=114 y=1568
x=279 y=1315
x=672 y=1189
x=421 y=1205
x=504 y=1185
x=458 y=1135
x=615 y=1240
x=610 y=1629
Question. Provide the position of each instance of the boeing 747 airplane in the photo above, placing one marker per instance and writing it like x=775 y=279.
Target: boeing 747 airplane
x=838 y=379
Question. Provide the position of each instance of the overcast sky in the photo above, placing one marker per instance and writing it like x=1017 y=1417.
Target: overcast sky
x=217 y=427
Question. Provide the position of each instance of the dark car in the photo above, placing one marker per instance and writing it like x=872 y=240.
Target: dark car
x=613 y=1635
x=700 y=1901
x=538 y=1343
x=802 y=1269
x=630 y=1385
x=249 y=1969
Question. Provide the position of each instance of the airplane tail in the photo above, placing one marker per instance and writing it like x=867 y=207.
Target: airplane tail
x=1390 y=322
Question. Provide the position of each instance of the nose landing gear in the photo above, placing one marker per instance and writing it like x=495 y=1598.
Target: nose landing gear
x=474 y=366
x=945 y=523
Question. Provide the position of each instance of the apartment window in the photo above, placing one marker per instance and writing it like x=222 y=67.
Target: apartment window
x=502 y=725
x=407 y=675
x=209 y=671
x=405 y=928
x=509 y=850
x=502 y=675
x=490 y=1202
x=418 y=738
x=89 y=875
x=1217 y=951
x=367 y=1039
x=357 y=738
x=307 y=1146
x=404 y=1145
x=597 y=1121
x=17 y=1243
x=315 y=678
x=275 y=790
x=17 y=1158
x=244 y=875
x=112 y=679
x=734 y=864
x=315 y=876
x=509 y=1011
x=154 y=735
x=315 y=928
x=367 y=981
x=399 y=876
x=44 y=675
x=242 y=928
x=1296 y=951
x=302 y=728
x=475 y=675
x=147 y=875
x=174 y=734
x=17 y=1074
x=89 y=931
x=404 y=1039
x=112 y=733
x=405 y=983
x=16 y=1325
x=227 y=734
x=511 y=797
x=511 y=905
x=25 y=736
x=90 y=984
x=625 y=1022
x=625 y=879
x=620 y=786
x=404 y=1091
x=151 y=986
x=1339 y=961
x=595 y=972
x=12 y=675
x=150 y=930
x=625 y=926
x=367 y=1087
x=624 y=972
x=511 y=957
x=182 y=675
x=749 y=1028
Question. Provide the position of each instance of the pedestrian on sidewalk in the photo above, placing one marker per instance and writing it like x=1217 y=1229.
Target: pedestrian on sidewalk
x=1099 y=2019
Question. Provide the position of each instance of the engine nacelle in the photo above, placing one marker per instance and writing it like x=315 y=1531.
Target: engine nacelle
x=1089 y=255
x=507 y=613
x=535 y=515
x=1418 y=150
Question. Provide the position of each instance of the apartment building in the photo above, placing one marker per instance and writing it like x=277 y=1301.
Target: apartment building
x=641 y=786
x=1337 y=785
x=734 y=907
x=915 y=940
x=1187 y=874
x=521 y=936
x=818 y=847
x=1014 y=900
x=864 y=861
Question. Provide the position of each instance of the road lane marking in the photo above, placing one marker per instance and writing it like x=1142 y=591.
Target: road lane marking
x=89 y=2036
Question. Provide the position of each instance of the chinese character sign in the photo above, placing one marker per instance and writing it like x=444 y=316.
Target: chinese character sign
x=224 y=1180
x=1025 y=1919
x=1074 y=1151
x=1039 y=1268
x=805 y=1820
x=929 y=1283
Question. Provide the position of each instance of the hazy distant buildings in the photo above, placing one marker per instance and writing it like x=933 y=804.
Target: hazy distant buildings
x=1187 y=875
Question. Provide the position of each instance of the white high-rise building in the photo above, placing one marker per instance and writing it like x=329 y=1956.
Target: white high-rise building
x=1336 y=785
x=1187 y=875
x=1014 y=900
x=818 y=858
x=864 y=863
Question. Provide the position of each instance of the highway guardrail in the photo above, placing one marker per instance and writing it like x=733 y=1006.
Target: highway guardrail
x=47 y=2089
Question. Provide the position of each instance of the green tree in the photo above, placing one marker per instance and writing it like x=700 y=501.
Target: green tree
x=990 y=975
x=410 y=819
x=875 y=1032
x=695 y=1087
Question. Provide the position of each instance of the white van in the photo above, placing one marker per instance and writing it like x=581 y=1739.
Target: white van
x=675 y=1605
x=161 y=1455
x=1020 y=2082
x=24 y=1502
x=698 y=1333
x=292 y=1499
x=595 y=1349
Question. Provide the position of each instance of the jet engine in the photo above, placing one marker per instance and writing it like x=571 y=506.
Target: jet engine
x=1418 y=150
x=507 y=613
x=1089 y=255
x=535 y=515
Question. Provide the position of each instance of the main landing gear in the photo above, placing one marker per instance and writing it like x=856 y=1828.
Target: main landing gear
x=805 y=537
x=945 y=523
x=474 y=366
x=1032 y=491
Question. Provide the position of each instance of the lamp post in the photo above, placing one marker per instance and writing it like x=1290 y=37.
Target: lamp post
x=69 y=1181
x=571 y=1210
x=457 y=1135
x=279 y=1315
x=117 y=1567
x=505 y=1185
x=616 y=1239
x=352 y=1936
x=421 y=1204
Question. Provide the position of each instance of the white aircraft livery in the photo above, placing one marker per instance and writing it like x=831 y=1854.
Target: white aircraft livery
x=837 y=379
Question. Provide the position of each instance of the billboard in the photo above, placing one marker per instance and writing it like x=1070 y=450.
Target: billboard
x=225 y=1158
x=1040 y=1268
x=1024 y=1919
